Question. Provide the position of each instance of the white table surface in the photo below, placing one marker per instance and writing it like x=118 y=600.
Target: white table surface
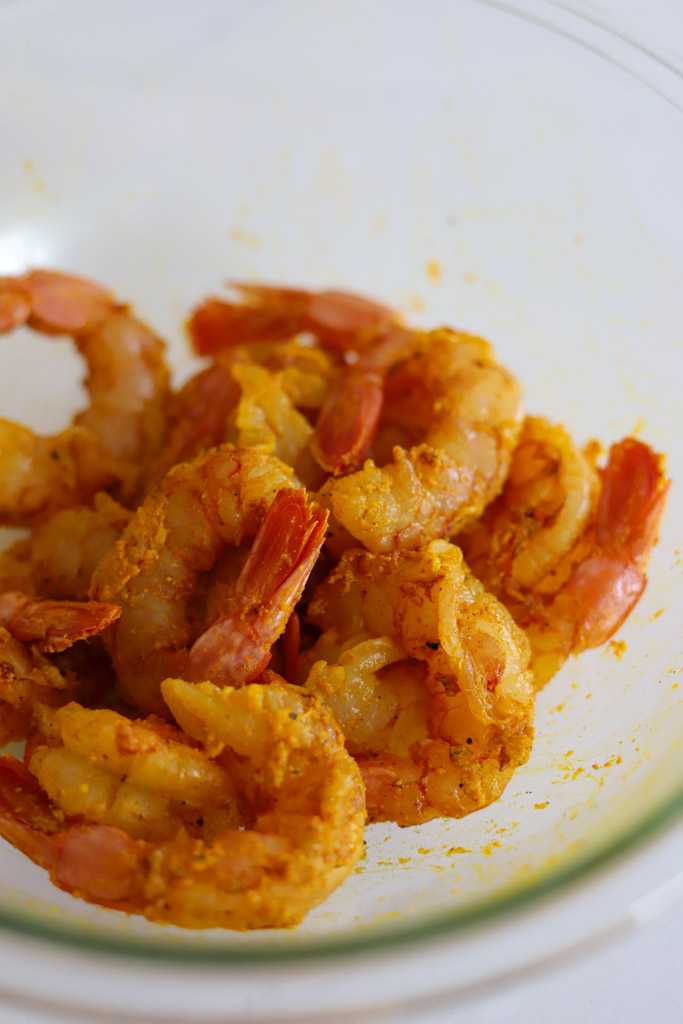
x=638 y=977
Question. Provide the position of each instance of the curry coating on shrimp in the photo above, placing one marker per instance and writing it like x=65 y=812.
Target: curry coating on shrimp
x=284 y=819
x=565 y=545
x=434 y=411
x=429 y=677
x=110 y=442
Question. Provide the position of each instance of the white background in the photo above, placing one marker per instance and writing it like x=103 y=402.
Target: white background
x=640 y=977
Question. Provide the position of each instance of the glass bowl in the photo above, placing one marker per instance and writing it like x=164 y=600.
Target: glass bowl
x=509 y=168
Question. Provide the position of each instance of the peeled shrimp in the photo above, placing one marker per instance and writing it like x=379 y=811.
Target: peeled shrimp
x=565 y=545
x=201 y=510
x=144 y=777
x=112 y=440
x=437 y=411
x=450 y=419
x=59 y=557
x=428 y=677
x=302 y=833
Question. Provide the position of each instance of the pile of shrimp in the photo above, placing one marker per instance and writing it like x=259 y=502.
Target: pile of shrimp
x=319 y=584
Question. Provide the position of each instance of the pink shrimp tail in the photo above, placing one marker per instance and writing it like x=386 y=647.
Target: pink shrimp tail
x=348 y=421
x=15 y=305
x=54 y=625
x=608 y=584
x=236 y=648
x=267 y=313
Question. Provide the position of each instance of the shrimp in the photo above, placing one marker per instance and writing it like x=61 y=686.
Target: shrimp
x=428 y=677
x=197 y=418
x=59 y=557
x=260 y=395
x=201 y=510
x=565 y=545
x=145 y=777
x=450 y=420
x=112 y=440
x=266 y=313
x=303 y=823
x=54 y=625
x=436 y=410
x=29 y=630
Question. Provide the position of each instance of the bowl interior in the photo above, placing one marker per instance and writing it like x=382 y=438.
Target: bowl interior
x=470 y=167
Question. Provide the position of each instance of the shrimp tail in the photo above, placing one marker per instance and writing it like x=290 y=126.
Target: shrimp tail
x=348 y=421
x=54 y=625
x=608 y=584
x=236 y=648
x=632 y=499
x=26 y=818
x=266 y=313
x=15 y=305
x=99 y=861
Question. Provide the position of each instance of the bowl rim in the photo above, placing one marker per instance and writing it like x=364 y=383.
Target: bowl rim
x=653 y=68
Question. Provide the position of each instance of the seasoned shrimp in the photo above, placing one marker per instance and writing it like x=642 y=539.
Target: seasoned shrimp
x=302 y=834
x=436 y=410
x=565 y=545
x=428 y=677
x=199 y=511
x=450 y=420
x=144 y=777
x=59 y=557
x=28 y=630
x=112 y=440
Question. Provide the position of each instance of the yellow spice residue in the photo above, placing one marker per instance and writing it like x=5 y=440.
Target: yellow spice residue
x=433 y=270
x=618 y=648
x=539 y=807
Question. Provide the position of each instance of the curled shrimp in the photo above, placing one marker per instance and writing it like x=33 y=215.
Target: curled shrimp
x=59 y=557
x=201 y=511
x=145 y=777
x=29 y=631
x=112 y=440
x=428 y=677
x=565 y=545
x=437 y=412
x=303 y=824
x=451 y=416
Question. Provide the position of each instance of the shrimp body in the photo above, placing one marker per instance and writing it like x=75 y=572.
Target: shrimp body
x=200 y=511
x=428 y=676
x=59 y=557
x=303 y=824
x=450 y=419
x=144 y=777
x=565 y=545
x=122 y=429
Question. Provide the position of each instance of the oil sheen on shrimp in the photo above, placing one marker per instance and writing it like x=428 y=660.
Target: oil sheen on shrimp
x=428 y=677
x=273 y=746
x=112 y=441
